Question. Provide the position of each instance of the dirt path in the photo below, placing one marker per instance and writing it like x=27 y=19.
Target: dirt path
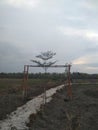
x=17 y=119
x=61 y=114
x=12 y=97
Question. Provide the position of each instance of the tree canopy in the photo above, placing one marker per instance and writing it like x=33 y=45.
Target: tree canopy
x=43 y=59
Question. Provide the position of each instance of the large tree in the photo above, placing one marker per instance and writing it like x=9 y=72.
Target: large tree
x=44 y=59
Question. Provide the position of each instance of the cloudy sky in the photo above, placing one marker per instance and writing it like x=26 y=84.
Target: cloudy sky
x=67 y=27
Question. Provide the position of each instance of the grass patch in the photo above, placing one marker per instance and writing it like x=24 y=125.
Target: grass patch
x=9 y=83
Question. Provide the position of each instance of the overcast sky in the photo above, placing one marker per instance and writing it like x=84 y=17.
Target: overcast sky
x=67 y=27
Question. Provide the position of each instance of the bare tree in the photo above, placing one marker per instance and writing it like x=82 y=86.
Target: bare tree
x=45 y=57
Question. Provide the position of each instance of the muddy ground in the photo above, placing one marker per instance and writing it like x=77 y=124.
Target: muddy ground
x=80 y=113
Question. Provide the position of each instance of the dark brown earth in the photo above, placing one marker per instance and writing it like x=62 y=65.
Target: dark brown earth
x=80 y=113
x=12 y=98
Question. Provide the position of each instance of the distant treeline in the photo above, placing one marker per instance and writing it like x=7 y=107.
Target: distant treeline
x=54 y=76
x=77 y=75
x=33 y=75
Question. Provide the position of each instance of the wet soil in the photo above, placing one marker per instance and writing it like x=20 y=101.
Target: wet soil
x=80 y=113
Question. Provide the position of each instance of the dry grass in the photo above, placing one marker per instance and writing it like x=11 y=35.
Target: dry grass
x=73 y=121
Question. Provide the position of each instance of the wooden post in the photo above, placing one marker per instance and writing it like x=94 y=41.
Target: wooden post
x=69 y=91
x=25 y=87
x=44 y=98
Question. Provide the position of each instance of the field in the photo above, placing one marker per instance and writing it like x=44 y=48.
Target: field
x=11 y=93
x=80 y=113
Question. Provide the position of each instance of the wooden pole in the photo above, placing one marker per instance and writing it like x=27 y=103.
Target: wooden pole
x=25 y=87
x=69 y=91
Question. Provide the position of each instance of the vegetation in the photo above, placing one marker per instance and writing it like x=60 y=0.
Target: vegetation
x=11 y=87
x=14 y=80
x=11 y=91
x=45 y=57
x=55 y=76
x=8 y=83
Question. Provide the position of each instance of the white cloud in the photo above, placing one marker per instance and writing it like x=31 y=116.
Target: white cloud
x=75 y=18
x=92 y=35
x=87 y=63
x=89 y=4
x=92 y=68
x=86 y=4
x=86 y=59
x=83 y=33
x=81 y=60
x=47 y=27
x=29 y=4
x=85 y=69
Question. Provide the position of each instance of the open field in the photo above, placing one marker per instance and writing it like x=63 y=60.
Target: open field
x=11 y=92
x=80 y=113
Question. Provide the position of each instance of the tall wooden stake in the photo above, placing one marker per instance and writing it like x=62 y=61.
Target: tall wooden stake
x=25 y=86
x=69 y=91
